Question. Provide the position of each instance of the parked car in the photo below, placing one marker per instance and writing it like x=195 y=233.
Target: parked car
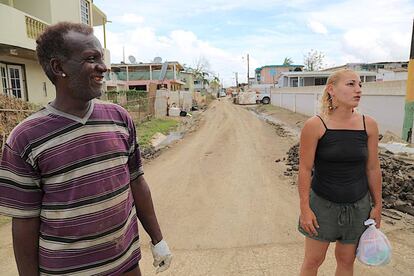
x=263 y=97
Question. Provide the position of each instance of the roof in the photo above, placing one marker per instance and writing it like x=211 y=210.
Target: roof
x=278 y=65
x=322 y=73
x=142 y=64
x=366 y=64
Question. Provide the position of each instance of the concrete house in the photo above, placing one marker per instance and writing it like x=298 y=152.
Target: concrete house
x=375 y=66
x=138 y=76
x=270 y=74
x=313 y=78
x=188 y=78
x=22 y=21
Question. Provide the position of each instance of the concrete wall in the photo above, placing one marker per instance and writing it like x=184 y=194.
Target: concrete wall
x=35 y=77
x=384 y=101
x=68 y=10
x=13 y=28
x=38 y=8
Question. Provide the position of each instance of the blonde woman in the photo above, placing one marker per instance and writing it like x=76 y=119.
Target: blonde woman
x=339 y=175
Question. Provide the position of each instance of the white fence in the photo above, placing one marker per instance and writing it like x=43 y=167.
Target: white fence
x=384 y=101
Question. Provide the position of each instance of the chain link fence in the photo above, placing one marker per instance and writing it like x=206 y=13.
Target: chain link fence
x=138 y=103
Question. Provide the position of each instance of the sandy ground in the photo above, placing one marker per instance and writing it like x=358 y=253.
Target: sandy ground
x=226 y=208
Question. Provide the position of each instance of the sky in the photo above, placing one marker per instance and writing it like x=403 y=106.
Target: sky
x=224 y=32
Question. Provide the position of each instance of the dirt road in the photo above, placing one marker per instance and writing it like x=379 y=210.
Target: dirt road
x=226 y=208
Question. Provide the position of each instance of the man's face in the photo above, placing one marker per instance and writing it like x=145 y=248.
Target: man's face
x=85 y=67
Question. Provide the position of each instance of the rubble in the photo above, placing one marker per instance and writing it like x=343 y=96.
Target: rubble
x=397 y=179
x=149 y=153
x=13 y=111
x=280 y=131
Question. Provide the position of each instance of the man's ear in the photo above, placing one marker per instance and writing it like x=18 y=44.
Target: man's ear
x=56 y=66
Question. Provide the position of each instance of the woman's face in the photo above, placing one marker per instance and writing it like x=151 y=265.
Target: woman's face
x=347 y=91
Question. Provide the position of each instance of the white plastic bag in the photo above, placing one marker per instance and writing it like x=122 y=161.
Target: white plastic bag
x=373 y=248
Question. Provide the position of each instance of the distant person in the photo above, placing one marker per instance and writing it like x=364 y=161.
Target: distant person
x=340 y=146
x=71 y=174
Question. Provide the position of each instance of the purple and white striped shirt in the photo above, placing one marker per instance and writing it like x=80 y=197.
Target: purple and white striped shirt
x=75 y=174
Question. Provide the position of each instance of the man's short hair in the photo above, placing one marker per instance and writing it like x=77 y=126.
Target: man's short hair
x=51 y=44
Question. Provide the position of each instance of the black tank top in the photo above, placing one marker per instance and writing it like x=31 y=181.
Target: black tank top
x=340 y=165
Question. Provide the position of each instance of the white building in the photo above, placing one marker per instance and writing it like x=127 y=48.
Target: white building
x=21 y=23
x=392 y=74
x=313 y=78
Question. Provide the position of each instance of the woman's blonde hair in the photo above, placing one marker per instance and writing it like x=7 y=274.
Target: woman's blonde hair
x=327 y=106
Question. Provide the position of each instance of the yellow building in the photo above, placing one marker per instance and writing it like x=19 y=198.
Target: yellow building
x=21 y=22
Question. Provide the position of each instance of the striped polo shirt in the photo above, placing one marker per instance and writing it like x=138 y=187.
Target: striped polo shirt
x=75 y=173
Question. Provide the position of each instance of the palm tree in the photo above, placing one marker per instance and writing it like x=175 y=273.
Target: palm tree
x=287 y=61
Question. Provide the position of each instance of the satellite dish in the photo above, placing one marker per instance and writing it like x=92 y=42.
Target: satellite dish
x=132 y=59
x=163 y=70
x=157 y=60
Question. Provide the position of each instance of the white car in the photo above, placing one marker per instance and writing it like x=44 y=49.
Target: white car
x=263 y=98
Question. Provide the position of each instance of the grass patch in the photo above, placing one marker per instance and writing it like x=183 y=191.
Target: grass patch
x=147 y=129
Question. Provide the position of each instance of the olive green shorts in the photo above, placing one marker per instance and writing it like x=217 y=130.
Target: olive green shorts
x=343 y=222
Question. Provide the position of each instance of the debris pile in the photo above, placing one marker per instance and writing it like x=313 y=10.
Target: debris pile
x=12 y=112
x=397 y=179
x=397 y=183
x=149 y=153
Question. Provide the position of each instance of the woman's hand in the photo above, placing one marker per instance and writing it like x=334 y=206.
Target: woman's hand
x=376 y=215
x=308 y=221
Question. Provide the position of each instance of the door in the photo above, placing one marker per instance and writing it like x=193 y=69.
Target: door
x=12 y=81
x=4 y=79
x=16 y=81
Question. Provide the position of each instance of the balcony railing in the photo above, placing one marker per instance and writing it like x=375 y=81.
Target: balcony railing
x=144 y=75
x=34 y=27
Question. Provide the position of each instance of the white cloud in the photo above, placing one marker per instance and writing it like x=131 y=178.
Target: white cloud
x=130 y=18
x=371 y=30
x=353 y=31
x=179 y=45
x=317 y=27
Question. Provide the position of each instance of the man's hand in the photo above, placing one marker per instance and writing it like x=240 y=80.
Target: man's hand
x=162 y=256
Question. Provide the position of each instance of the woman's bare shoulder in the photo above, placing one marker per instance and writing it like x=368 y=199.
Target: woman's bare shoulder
x=314 y=127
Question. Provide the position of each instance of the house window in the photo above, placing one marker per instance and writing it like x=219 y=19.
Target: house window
x=320 y=81
x=85 y=12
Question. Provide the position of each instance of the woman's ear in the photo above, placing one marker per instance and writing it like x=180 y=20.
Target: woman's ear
x=330 y=90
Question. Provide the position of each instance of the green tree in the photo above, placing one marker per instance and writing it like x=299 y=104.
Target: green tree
x=287 y=61
x=215 y=84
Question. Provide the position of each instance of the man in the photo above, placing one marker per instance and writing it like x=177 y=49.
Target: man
x=71 y=174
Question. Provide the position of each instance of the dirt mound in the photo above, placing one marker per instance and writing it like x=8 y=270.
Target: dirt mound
x=397 y=179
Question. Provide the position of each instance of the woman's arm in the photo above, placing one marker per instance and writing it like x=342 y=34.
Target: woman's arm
x=308 y=143
x=374 y=171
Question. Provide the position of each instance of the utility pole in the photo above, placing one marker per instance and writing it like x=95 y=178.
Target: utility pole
x=237 y=80
x=123 y=54
x=409 y=97
x=248 y=73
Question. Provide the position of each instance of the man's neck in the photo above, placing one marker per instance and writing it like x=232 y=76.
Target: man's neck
x=71 y=106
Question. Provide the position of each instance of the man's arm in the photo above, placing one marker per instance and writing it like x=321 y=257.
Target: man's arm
x=26 y=245
x=145 y=209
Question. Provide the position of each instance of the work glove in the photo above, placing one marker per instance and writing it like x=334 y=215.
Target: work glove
x=162 y=256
